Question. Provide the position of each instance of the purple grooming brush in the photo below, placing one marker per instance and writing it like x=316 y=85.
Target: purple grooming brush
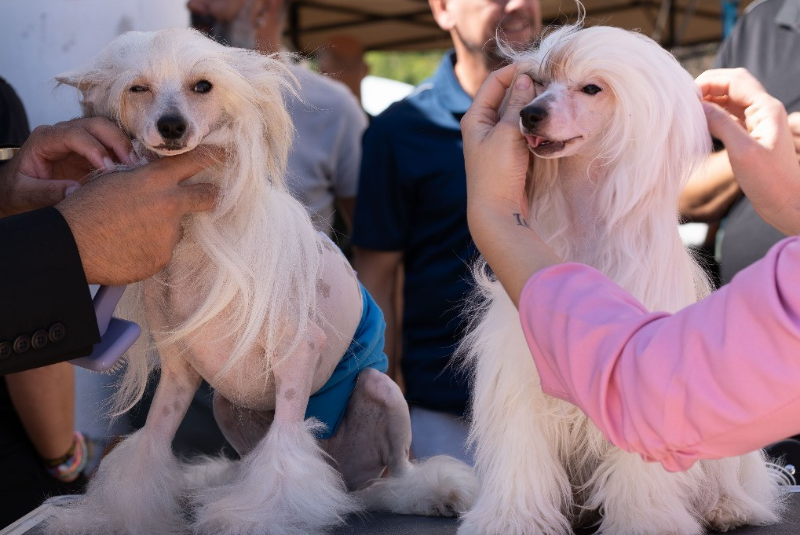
x=116 y=335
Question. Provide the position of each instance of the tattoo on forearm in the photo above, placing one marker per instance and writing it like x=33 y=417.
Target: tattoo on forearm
x=521 y=220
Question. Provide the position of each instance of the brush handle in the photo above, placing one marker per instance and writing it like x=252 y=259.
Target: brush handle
x=116 y=335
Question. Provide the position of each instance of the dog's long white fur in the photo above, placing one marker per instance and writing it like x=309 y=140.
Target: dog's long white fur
x=266 y=260
x=543 y=466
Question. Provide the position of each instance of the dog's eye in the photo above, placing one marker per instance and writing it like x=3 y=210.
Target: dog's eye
x=139 y=89
x=591 y=89
x=203 y=86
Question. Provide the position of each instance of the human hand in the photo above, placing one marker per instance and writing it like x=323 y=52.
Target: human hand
x=496 y=156
x=55 y=159
x=755 y=130
x=127 y=223
x=496 y=153
x=794 y=128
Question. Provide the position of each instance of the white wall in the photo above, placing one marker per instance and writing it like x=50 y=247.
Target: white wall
x=41 y=38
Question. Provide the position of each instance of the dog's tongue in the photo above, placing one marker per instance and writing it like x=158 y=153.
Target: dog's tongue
x=535 y=141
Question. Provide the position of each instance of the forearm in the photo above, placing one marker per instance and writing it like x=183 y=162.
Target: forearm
x=511 y=248
x=44 y=399
x=715 y=379
x=711 y=191
x=378 y=271
x=48 y=315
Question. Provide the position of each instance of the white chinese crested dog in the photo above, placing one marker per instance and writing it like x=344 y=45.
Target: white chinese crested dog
x=616 y=128
x=260 y=305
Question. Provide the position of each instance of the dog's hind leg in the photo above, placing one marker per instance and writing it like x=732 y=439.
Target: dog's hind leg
x=137 y=488
x=286 y=484
x=243 y=429
x=374 y=437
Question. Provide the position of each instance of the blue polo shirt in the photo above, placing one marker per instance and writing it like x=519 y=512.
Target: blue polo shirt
x=412 y=197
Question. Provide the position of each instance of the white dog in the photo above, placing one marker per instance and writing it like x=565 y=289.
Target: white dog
x=615 y=129
x=261 y=306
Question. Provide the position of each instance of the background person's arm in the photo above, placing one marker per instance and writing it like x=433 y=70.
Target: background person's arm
x=711 y=191
x=44 y=400
x=378 y=272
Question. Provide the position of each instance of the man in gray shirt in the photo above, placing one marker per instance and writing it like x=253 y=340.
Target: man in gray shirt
x=325 y=157
x=766 y=41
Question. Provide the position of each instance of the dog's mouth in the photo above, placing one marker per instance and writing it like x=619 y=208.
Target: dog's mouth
x=170 y=149
x=170 y=146
x=543 y=146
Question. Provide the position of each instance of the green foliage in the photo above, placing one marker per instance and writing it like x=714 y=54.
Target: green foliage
x=409 y=67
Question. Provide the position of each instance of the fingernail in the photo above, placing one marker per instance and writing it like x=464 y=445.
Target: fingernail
x=133 y=158
x=70 y=190
x=523 y=82
x=108 y=163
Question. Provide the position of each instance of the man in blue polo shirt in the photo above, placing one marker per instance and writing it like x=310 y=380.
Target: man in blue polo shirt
x=411 y=213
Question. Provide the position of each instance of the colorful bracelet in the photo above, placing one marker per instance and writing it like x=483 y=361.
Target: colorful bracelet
x=69 y=466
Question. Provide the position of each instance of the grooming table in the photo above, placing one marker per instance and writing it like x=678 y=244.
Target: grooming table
x=387 y=524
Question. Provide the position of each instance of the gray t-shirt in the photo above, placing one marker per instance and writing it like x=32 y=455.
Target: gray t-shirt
x=766 y=42
x=326 y=151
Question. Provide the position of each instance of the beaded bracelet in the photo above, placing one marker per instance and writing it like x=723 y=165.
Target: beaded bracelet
x=69 y=466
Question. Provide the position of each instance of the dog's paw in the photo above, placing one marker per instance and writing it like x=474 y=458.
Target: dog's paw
x=136 y=489
x=726 y=516
x=439 y=486
x=285 y=487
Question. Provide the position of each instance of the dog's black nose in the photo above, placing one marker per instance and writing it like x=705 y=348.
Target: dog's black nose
x=531 y=115
x=171 y=126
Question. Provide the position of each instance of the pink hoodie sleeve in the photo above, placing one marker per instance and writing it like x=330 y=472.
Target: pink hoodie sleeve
x=718 y=378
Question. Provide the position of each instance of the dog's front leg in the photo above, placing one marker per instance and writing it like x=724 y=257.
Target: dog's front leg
x=138 y=486
x=286 y=485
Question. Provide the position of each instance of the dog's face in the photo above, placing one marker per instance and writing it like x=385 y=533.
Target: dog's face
x=171 y=113
x=176 y=89
x=566 y=117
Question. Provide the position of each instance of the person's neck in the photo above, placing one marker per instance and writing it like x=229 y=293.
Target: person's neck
x=471 y=70
x=268 y=44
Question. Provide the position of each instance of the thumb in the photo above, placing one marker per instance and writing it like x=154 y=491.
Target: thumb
x=521 y=95
x=723 y=127
x=37 y=193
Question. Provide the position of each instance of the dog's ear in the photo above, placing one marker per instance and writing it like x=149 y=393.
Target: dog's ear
x=89 y=83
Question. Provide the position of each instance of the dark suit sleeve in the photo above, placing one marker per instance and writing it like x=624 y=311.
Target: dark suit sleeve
x=46 y=311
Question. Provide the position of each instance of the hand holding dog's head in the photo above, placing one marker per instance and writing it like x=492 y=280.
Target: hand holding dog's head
x=176 y=89
x=622 y=103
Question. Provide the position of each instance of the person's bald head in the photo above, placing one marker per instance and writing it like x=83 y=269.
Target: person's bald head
x=343 y=59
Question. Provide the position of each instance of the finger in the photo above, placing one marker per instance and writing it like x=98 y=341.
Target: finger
x=725 y=128
x=484 y=107
x=56 y=143
x=521 y=95
x=111 y=137
x=32 y=193
x=198 y=197
x=176 y=169
x=734 y=89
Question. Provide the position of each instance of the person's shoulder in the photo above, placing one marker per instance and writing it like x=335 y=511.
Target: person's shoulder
x=764 y=10
x=320 y=90
x=409 y=111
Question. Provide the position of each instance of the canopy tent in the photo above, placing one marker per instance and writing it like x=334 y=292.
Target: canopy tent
x=408 y=24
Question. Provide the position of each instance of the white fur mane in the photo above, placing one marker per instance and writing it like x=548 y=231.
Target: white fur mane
x=657 y=139
x=259 y=258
